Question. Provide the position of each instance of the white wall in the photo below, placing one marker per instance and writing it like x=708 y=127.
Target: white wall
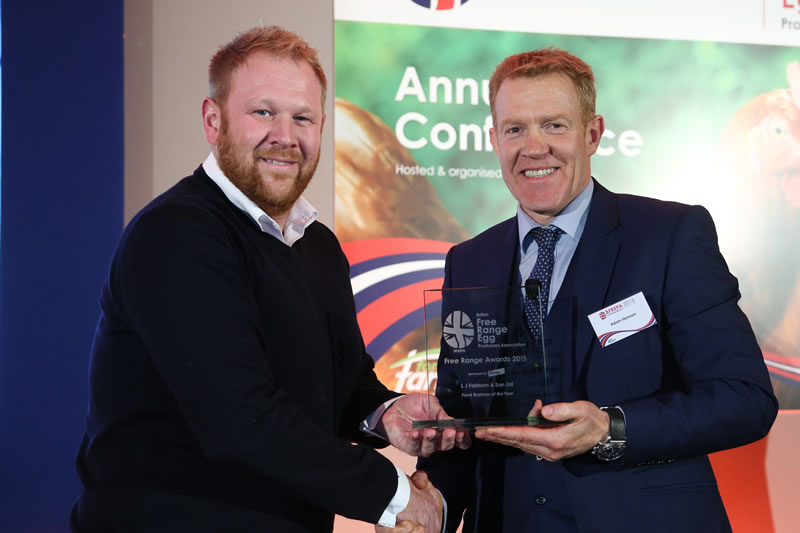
x=168 y=44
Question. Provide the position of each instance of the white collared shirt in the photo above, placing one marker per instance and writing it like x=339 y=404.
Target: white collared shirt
x=301 y=215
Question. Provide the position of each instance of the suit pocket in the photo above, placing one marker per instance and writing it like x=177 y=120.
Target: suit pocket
x=684 y=476
x=680 y=488
x=630 y=368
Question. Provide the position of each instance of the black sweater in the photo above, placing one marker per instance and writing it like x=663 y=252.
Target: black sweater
x=228 y=371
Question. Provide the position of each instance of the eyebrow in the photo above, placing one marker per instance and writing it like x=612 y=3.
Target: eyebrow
x=557 y=116
x=546 y=118
x=267 y=102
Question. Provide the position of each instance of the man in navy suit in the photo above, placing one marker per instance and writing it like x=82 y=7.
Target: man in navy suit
x=644 y=411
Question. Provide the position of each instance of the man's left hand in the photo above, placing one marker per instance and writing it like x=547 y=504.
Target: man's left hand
x=396 y=426
x=588 y=426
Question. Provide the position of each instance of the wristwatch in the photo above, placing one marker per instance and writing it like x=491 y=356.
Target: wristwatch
x=613 y=447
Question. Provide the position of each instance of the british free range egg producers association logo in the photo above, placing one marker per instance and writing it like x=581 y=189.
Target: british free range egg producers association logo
x=440 y=4
x=458 y=330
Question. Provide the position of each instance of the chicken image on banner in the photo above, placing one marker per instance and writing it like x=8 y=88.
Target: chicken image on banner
x=758 y=220
x=396 y=234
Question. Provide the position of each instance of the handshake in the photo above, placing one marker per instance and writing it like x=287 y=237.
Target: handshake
x=424 y=513
x=583 y=425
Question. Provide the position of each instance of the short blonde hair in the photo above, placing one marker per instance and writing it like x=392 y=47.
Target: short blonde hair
x=547 y=61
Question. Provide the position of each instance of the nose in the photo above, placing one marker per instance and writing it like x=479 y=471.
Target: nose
x=280 y=133
x=535 y=145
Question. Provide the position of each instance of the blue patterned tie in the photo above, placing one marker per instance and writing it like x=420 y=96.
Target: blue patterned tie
x=546 y=238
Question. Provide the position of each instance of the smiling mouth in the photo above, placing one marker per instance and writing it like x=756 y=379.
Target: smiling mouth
x=277 y=162
x=539 y=173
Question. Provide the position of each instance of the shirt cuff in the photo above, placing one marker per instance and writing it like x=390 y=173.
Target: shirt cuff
x=444 y=511
x=368 y=424
x=398 y=502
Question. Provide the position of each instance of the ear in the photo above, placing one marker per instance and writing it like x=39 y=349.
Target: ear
x=322 y=124
x=212 y=119
x=594 y=133
x=493 y=139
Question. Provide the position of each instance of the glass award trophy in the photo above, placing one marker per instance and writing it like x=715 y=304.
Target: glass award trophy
x=487 y=345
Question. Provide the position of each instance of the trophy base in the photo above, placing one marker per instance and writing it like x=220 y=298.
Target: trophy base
x=472 y=423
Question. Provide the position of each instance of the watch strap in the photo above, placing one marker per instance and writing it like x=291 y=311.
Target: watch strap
x=613 y=447
x=616 y=423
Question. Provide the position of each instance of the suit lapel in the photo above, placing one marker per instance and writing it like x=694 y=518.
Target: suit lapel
x=494 y=265
x=592 y=266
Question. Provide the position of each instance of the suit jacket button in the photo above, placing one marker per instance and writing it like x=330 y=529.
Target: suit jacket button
x=537 y=367
x=541 y=500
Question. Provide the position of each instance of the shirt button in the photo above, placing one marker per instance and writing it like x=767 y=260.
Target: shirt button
x=541 y=500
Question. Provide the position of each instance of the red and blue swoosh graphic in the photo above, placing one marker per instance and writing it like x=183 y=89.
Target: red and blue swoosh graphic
x=388 y=278
x=604 y=338
x=784 y=367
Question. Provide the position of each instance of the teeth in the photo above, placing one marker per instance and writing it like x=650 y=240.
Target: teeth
x=539 y=173
x=276 y=162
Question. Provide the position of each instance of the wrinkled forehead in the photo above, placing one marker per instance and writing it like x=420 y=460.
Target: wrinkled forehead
x=266 y=72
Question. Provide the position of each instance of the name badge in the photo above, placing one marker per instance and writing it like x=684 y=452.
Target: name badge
x=622 y=319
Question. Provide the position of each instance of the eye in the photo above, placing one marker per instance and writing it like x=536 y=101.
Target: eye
x=301 y=118
x=776 y=128
x=262 y=112
x=512 y=130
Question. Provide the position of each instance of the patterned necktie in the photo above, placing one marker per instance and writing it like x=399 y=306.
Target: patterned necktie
x=546 y=238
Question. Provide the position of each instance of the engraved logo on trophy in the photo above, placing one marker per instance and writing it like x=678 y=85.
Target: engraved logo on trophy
x=458 y=330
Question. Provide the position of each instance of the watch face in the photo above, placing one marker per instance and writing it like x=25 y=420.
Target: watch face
x=610 y=451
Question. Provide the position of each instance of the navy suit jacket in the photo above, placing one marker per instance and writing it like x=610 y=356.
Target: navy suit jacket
x=693 y=384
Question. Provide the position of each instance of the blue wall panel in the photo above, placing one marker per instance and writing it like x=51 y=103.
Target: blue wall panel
x=62 y=212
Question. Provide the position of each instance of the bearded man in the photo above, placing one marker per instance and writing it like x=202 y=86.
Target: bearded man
x=228 y=377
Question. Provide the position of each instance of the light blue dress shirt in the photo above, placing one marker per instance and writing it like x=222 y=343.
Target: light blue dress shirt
x=571 y=220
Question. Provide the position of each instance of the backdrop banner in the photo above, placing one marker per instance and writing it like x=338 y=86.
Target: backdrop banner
x=696 y=121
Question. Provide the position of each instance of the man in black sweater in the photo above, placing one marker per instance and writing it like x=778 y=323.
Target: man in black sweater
x=228 y=376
